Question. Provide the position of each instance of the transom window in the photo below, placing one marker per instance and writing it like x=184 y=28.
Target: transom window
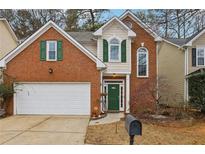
x=200 y=56
x=51 y=50
x=142 y=62
x=114 y=54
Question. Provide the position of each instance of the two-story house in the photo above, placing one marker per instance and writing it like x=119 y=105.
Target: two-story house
x=73 y=73
x=177 y=59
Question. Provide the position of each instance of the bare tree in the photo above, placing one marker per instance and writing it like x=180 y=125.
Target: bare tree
x=149 y=95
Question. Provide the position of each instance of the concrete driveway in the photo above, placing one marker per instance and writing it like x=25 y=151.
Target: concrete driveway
x=43 y=129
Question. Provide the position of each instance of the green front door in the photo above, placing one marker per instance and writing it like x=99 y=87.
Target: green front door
x=113 y=97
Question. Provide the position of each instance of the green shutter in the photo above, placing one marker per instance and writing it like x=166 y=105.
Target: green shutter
x=194 y=57
x=43 y=50
x=105 y=50
x=59 y=50
x=123 y=51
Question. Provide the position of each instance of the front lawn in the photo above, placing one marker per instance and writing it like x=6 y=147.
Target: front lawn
x=153 y=133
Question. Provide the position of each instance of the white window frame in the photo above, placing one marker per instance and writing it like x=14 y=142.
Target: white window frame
x=47 y=51
x=147 y=66
x=110 y=44
x=197 y=48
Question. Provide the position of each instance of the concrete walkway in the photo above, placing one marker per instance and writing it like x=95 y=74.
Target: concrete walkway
x=43 y=130
x=110 y=118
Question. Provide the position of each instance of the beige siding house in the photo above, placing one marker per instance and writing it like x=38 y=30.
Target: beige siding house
x=177 y=58
x=199 y=43
x=8 y=39
x=171 y=73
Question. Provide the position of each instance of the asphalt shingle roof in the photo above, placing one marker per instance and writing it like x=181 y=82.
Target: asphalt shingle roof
x=83 y=37
x=182 y=41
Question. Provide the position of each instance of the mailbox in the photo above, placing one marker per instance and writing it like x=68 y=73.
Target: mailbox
x=133 y=127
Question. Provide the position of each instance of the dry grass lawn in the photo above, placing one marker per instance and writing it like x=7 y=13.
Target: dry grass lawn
x=152 y=134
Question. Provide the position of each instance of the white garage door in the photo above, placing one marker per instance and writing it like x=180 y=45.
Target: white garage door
x=52 y=98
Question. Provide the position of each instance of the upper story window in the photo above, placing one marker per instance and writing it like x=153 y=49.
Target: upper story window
x=51 y=52
x=114 y=54
x=142 y=62
x=200 y=56
x=129 y=24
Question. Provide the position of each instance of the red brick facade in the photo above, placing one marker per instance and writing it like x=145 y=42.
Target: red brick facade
x=27 y=67
x=140 y=97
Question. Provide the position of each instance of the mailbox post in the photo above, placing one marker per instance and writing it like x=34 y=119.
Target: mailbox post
x=133 y=127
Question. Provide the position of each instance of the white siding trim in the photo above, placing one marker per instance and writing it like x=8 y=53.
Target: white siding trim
x=127 y=110
x=186 y=94
x=100 y=30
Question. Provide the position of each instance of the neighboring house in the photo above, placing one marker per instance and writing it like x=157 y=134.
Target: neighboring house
x=171 y=61
x=68 y=73
x=177 y=59
x=8 y=39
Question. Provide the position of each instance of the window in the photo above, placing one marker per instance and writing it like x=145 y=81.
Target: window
x=51 y=50
x=129 y=24
x=142 y=62
x=200 y=56
x=114 y=54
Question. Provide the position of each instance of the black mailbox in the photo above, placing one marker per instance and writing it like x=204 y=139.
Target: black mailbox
x=133 y=127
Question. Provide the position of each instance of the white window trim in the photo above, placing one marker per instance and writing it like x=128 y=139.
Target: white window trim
x=109 y=51
x=147 y=59
x=199 y=47
x=47 y=51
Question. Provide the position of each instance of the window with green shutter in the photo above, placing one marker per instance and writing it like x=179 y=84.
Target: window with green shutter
x=59 y=50
x=123 y=51
x=43 y=50
x=105 y=50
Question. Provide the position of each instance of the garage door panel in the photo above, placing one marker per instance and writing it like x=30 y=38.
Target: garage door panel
x=44 y=98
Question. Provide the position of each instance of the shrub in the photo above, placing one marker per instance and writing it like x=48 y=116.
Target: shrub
x=197 y=91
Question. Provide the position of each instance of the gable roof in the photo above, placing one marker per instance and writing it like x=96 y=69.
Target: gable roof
x=9 y=28
x=99 y=31
x=175 y=41
x=195 y=36
x=141 y=24
x=182 y=42
x=41 y=31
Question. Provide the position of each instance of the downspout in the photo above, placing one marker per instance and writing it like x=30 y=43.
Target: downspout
x=157 y=69
x=186 y=63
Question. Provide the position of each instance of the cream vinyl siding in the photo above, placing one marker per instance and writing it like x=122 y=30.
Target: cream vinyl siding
x=171 y=70
x=91 y=47
x=198 y=42
x=115 y=30
x=7 y=42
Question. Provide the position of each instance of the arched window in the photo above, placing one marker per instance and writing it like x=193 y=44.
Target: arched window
x=142 y=62
x=114 y=50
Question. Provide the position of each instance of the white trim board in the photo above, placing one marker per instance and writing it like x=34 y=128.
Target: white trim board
x=99 y=31
x=41 y=31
